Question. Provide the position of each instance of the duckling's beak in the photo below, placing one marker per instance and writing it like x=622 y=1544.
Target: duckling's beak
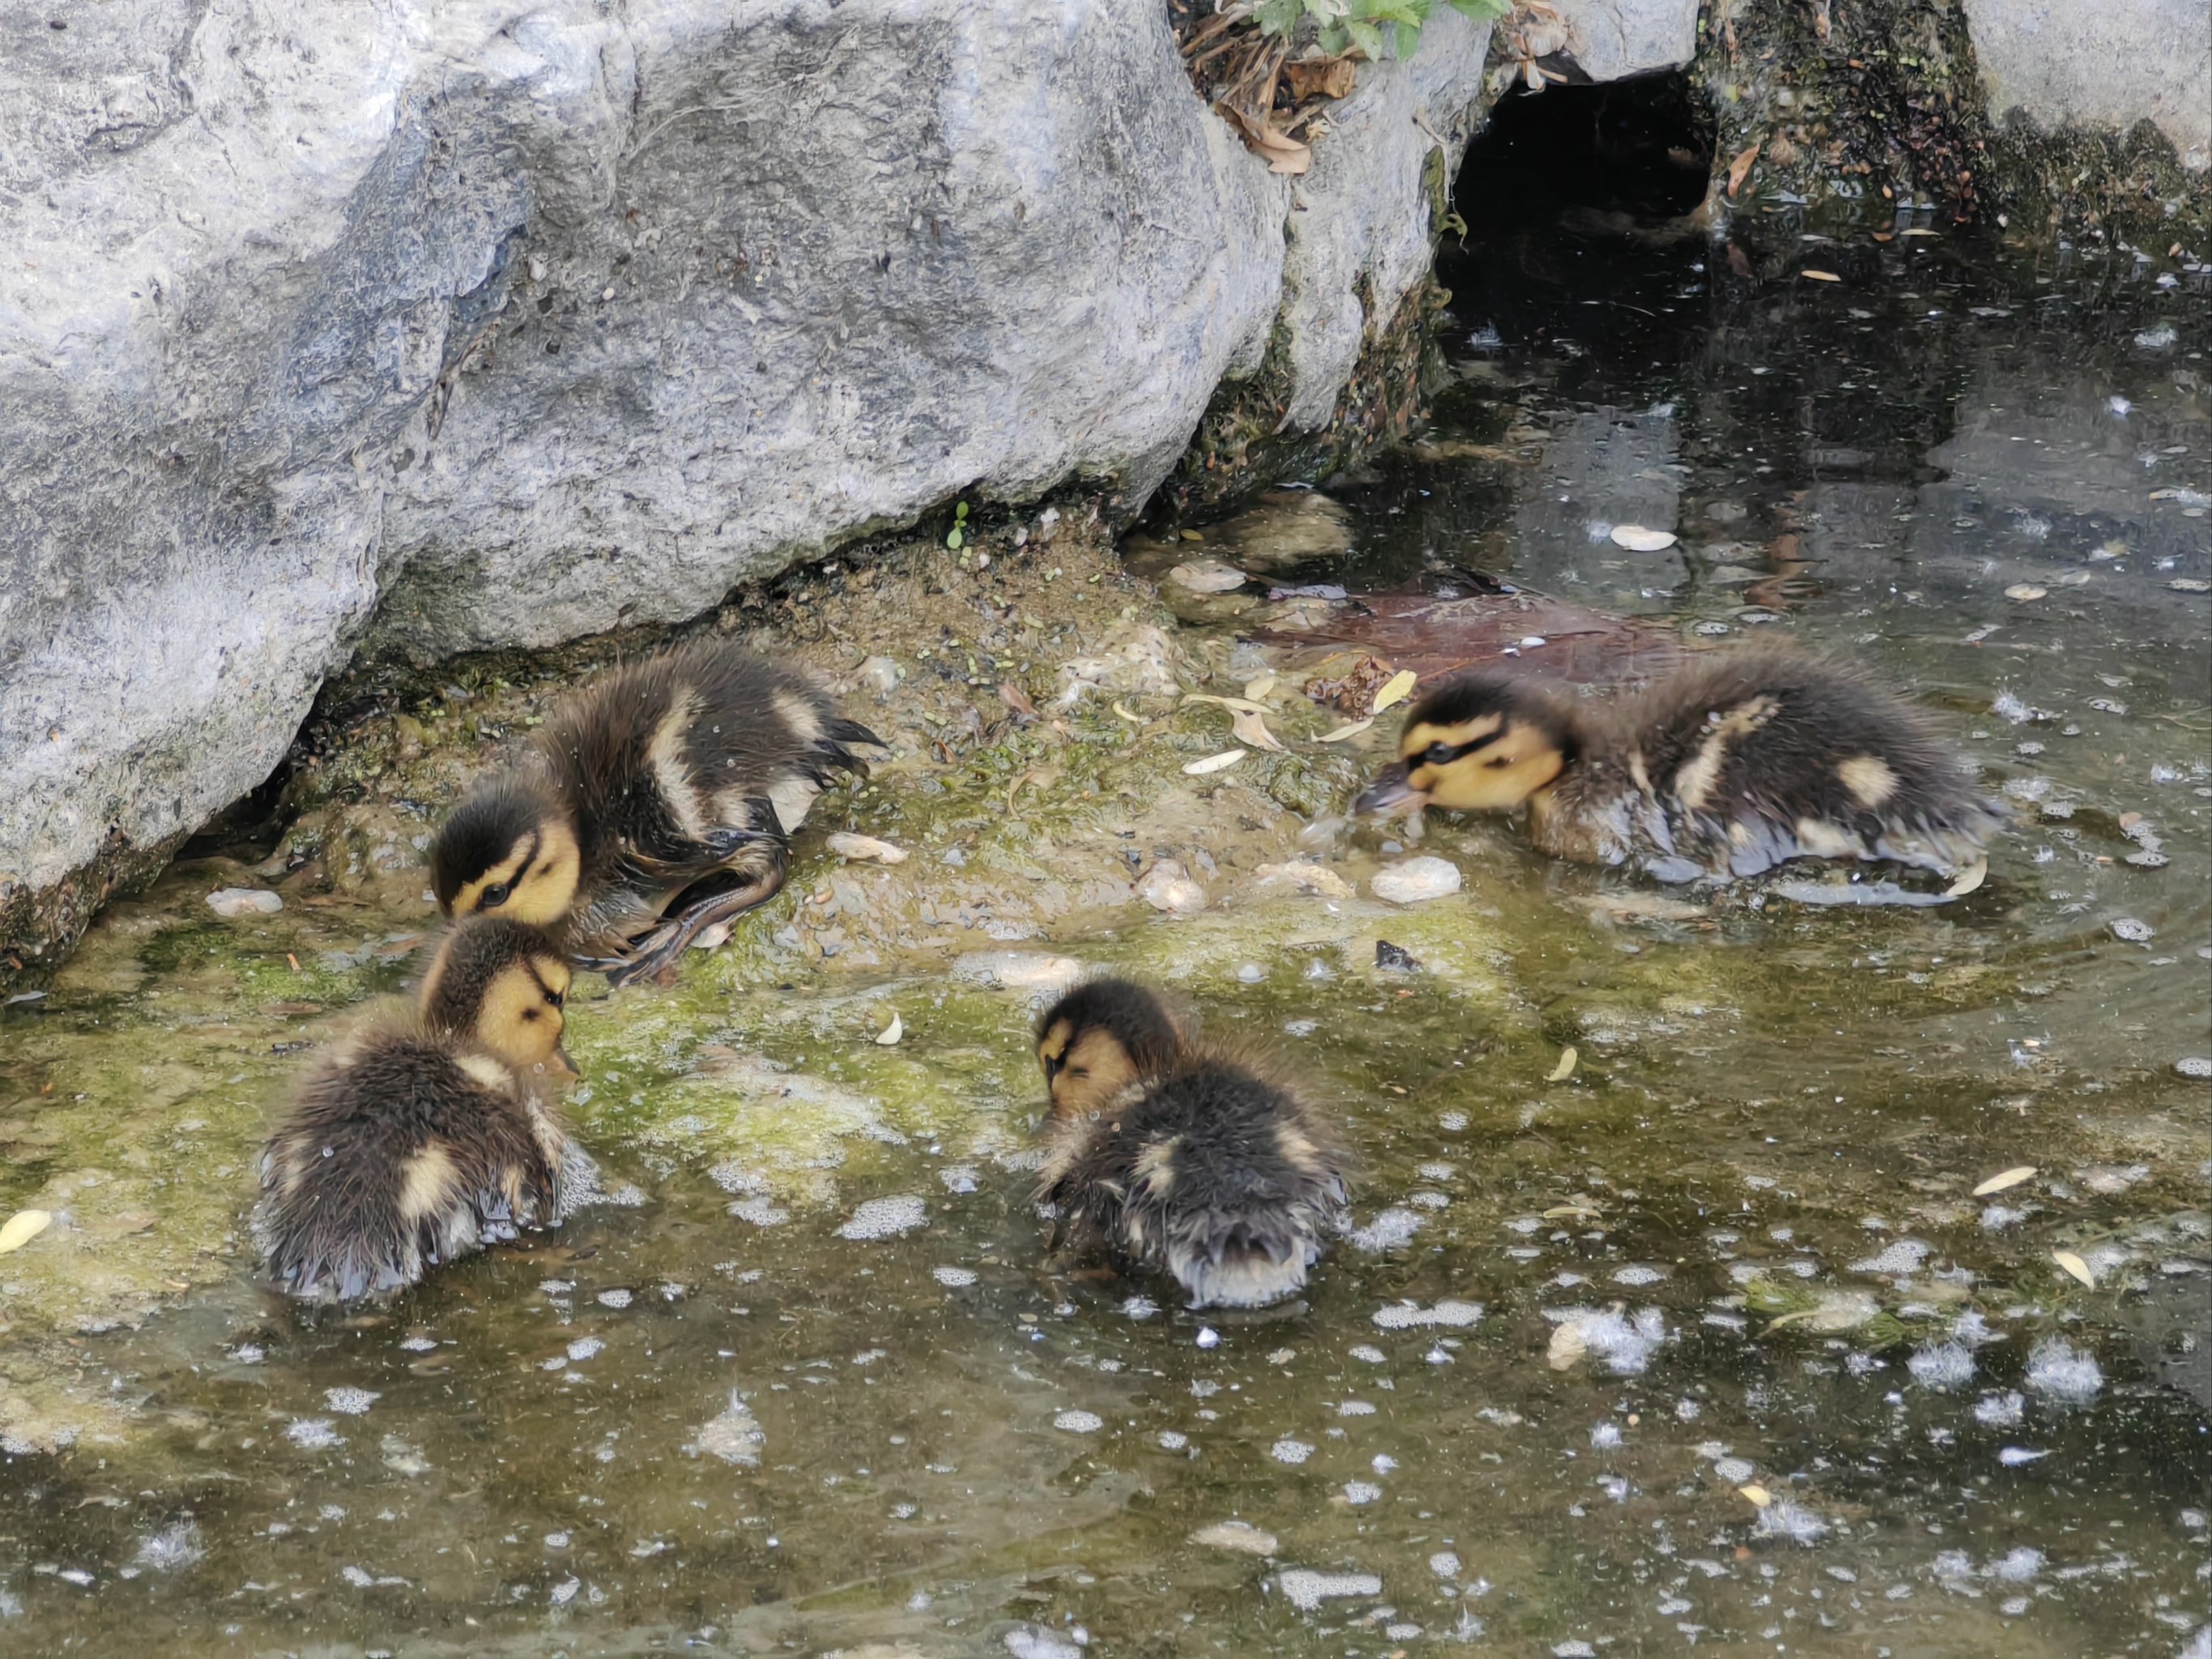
x=1391 y=791
x=562 y=1065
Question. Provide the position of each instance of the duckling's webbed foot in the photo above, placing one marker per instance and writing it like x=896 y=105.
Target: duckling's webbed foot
x=659 y=952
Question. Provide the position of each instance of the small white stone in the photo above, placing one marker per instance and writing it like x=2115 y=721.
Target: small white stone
x=1168 y=887
x=230 y=902
x=1412 y=880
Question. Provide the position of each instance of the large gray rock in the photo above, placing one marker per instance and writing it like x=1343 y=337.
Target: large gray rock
x=2104 y=66
x=491 y=323
x=1612 y=39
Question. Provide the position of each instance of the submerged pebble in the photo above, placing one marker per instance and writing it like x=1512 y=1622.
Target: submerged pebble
x=1414 y=880
x=231 y=902
x=1240 y=1536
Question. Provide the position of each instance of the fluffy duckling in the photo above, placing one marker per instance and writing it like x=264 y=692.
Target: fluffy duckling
x=428 y=1133
x=669 y=789
x=1729 y=766
x=1163 y=1155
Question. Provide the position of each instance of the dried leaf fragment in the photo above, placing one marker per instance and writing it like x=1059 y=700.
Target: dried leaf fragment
x=22 y=1227
x=891 y=1033
x=1740 y=168
x=1345 y=734
x=1133 y=718
x=1567 y=1345
x=1240 y=705
x=2024 y=591
x=1260 y=688
x=1565 y=1068
x=2075 y=1267
x=1812 y=276
x=1220 y=762
x=1323 y=77
x=1968 y=879
x=846 y=845
x=1637 y=539
x=1395 y=689
x=2003 y=1179
x=1760 y=1497
x=1251 y=729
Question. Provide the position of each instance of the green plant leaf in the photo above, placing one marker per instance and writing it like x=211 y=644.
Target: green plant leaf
x=953 y=540
x=1279 y=16
x=1365 y=36
x=1483 y=11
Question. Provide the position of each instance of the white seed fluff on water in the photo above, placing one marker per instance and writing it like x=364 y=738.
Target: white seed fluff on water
x=1306 y=1590
x=2012 y=1456
x=315 y=1433
x=1140 y=1307
x=2058 y=1369
x=1292 y=1452
x=953 y=1279
x=1031 y=1643
x=1999 y=1411
x=1786 y=1518
x=734 y=1435
x=172 y=1549
x=885 y=1218
x=585 y=1347
x=1944 y=1365
x=1080 y=1422
x=1604 y=1436
x=349 y=1403
x=1361 y=1491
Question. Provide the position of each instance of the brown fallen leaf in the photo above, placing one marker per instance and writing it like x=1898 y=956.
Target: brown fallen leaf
x=1998 y=1184
x=1282 y=155
x=1345 y=734
x=1740 y=168
x=1395 y=689
x=1228 y=757
x=1565 y=1068
x=1812 y=276
x=1760 y=1497
x=1017 y=699
x=1321 y=77
x=22 y=1227
x=1969 y=880
x=1567 y=1345
x=2075 y=1267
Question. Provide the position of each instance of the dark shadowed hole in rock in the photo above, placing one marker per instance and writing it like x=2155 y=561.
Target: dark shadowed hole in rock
x=1616 y=158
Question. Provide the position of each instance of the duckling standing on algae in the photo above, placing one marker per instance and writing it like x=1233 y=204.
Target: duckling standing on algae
x=651 y=806
x=1726 y=767
x=1163 y=1155
x=429 y=1132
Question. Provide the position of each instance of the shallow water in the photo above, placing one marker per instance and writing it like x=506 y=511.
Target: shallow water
x=1750 y=1205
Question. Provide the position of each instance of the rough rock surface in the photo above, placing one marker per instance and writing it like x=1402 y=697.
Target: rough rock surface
x=2107 y=66
x=1611 y=40
x=491 y=324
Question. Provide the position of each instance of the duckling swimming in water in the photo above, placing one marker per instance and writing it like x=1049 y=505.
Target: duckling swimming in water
x=1168 y=1156
x=1732 y=764
x=651 y=806
x=428 y=1133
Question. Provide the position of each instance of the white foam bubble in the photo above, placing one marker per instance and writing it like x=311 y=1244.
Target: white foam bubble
x=1306 y=1590
x=1448 y=1313
x=953 y=1279
x=885 y=1218
x=1392 y=1230
x=1080 y=1422
x=1292 y=1452
x=349 y=1403
x=315 y=1433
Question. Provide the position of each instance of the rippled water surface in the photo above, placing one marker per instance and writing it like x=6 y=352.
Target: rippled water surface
x=1709 y=1344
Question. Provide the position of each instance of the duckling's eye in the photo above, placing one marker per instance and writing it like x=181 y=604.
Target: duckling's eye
x=558 y=998
x=1439 y=753
x=495 y=895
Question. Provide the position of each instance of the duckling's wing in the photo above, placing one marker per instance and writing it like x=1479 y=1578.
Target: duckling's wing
x=1769 y=755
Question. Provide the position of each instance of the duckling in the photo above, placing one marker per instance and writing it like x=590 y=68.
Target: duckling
x=651 y=806
x=1165 y=1156
x=1728 y=766
x=428 y=1133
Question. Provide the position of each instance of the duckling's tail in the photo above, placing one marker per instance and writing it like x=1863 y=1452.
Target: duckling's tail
x=1239 y=1262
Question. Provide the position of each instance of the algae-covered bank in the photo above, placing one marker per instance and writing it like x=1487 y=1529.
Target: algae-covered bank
x=1844 y=1292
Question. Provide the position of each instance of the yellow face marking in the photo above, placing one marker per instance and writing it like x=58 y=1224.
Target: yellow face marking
x=521 y=1020
x=426 y=1183
x=1088 y=1073
x=1419 y=738
x=1868 y=778
x=536 y=882
x=1494 y=776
